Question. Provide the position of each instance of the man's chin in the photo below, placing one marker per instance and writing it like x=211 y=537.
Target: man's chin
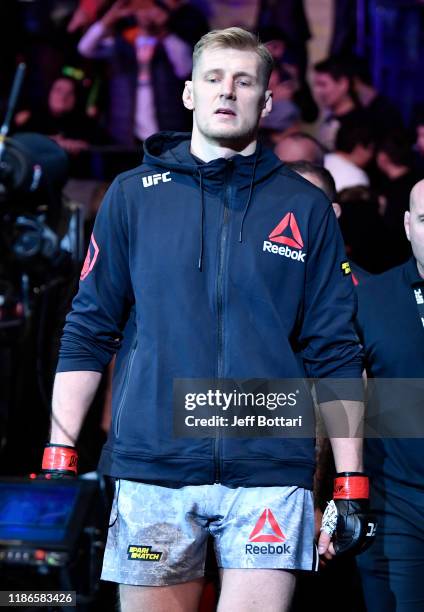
x=227 y=137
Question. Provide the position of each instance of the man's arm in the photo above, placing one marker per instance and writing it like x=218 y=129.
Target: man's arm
x=344 y=422
x=343 y=418
x=73 y=393
x=98 y=40
x=93 y=330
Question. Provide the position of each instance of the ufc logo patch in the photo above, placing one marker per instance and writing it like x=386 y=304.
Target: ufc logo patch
x=154 y=179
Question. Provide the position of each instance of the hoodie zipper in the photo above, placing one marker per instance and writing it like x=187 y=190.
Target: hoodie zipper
x=125 y=387
x=220 y=300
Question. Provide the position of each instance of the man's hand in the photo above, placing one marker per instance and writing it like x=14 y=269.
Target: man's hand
x=119 y=10
x=347 y=525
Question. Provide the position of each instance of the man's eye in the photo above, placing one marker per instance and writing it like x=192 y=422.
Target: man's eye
x=244 y=83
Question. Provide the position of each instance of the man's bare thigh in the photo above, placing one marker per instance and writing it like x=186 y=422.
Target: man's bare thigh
x=182 y=597
x=256 y=590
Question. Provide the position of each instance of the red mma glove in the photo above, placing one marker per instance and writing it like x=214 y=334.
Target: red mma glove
x=59 y=461
x=347 y=517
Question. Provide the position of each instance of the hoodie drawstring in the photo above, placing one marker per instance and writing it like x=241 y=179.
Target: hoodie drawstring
x=200 y=261
x=202 y=212
x=249 y=196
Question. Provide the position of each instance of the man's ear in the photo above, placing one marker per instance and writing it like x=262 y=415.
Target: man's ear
x=267 y=106
x=188 y=95
x=406 y=223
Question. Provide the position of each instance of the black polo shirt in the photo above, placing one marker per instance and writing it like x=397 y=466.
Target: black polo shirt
x=391 y=331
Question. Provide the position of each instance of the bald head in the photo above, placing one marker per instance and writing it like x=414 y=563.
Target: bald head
x=414 y=224
x=417 y=194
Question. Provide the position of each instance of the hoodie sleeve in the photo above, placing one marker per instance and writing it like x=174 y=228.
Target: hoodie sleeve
x=330 y=348
x=93 y=328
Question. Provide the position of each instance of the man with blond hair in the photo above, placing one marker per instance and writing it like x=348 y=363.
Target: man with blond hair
x=211 y=261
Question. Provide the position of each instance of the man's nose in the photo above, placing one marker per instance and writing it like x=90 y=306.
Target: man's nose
x=227 y=88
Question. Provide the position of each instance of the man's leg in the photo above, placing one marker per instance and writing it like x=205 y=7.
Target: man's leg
x=182 y=597
x=156 y=547
x=262 y=537
x=392 y=569
x=256 y=590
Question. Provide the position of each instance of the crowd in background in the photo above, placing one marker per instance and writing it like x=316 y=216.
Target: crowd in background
x=103 y=76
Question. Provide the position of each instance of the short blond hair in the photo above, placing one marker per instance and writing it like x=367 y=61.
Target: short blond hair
x=235 y=38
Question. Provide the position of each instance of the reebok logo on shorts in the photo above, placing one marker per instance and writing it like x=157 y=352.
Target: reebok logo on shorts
x=143 y=553
x=267 y=530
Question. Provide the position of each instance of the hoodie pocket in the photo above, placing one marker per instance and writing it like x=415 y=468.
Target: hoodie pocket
x=125 y=386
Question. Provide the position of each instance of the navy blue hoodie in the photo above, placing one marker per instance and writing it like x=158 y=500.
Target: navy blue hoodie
x=226 y=269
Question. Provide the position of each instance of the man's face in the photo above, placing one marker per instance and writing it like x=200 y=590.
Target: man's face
x=414 y=225
x=328 y=91
x=227 y=95
x=364 y=154
x=62 y=97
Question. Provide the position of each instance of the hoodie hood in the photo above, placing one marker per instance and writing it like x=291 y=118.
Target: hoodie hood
x=171 y=150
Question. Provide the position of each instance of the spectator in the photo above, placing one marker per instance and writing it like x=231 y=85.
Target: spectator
x=300 y=146
x=362 y=229
x=64 y=121
x=148 y=65
x=382 y=114
x=354 y=150
x=276 y=43
x=322 y=179
x=45 y=44
x=285 y=114
x=333 y=90
x=395 y=160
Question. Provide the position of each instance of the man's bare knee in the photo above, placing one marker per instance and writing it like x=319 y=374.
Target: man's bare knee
x=182 y=597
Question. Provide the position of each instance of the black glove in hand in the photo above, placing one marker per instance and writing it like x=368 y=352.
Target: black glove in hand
x=347 y=517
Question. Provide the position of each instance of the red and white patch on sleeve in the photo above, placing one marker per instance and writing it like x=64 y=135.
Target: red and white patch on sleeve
x=90 y=259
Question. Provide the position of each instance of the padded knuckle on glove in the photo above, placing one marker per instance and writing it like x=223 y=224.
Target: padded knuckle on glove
x=356 y=526
x=351 y=535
